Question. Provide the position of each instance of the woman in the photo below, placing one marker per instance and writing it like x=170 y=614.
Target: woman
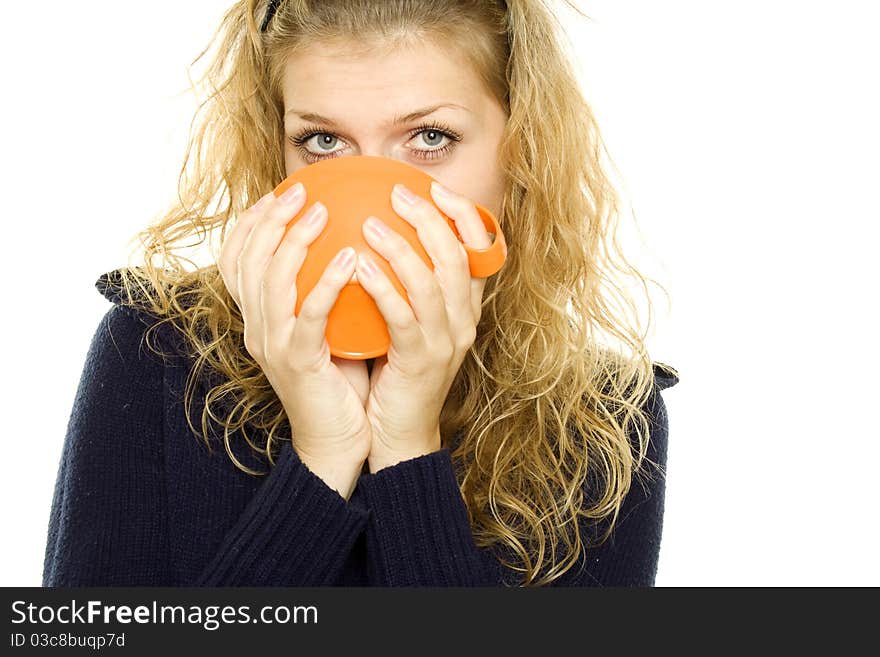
x=498 y=443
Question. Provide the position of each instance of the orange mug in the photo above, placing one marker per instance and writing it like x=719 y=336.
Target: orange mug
x=353 y=187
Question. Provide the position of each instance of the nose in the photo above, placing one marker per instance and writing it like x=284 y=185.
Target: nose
x=378 y=152
x=376 y=146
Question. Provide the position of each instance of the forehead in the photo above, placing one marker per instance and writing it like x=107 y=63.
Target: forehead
x=337 y=83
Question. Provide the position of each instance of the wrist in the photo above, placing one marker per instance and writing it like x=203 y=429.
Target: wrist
x=341 y=476
x=386 y=461
x=380 y=458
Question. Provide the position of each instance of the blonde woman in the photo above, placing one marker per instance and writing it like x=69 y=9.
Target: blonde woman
x=514 y=435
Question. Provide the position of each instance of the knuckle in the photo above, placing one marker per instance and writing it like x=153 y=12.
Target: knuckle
x=273 y=348
x=303 y=367
x=428 y=287
x=259 y=205
x=421 y=206
x=444 y=350
x=296 y=234
x=269 y=352
x=237 y=223
x=395 y=245
x=253 y=344
x=449 y=261
x=267 y=285
x=466 y=339
x=401 y=324
x=309 y=311
x=280 y=210
x=249 y=214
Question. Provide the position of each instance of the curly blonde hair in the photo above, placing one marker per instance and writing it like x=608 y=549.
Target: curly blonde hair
x=545 y=420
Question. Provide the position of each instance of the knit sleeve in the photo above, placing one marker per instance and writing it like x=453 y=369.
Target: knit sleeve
x=109 y=525
x=296 y=531
x=419 y=533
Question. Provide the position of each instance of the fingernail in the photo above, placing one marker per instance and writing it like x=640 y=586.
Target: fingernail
x=377 y=226
x=440 y=189
x=405 y=194
x=344 y=257
x=367 y=266
x=315 y=213
x=291 y=193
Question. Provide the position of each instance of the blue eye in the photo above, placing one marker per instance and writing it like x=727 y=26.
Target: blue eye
x=431 y=132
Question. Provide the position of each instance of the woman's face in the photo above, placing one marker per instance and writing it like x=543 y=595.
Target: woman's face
x=350 y=105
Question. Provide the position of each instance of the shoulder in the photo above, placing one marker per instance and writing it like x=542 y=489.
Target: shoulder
x=135 y=297
x=665 y=376
x=133 y=287
x=121 y=386
x=123 y=341
x=132 y=302
x=109 y=284
x=657 y=417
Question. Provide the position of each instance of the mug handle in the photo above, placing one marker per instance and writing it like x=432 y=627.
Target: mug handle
x=488 y=261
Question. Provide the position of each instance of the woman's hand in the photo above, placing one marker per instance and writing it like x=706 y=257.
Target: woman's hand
x=429 y=340
x=324 y=402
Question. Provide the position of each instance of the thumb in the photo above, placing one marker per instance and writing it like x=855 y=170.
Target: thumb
x=355 y=371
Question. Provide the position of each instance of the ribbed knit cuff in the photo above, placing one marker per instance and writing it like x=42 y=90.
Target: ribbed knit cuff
x=419 y=532
x=295 y=531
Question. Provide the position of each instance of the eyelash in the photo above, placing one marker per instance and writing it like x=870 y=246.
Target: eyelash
x=310 y=131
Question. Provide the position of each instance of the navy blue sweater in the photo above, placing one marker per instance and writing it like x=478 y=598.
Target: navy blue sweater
x=139 y=500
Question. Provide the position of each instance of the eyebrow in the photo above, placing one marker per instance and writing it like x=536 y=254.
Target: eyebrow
x=397 y=120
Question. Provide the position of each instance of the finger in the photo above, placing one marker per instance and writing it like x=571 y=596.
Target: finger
x=227 y=262
x=405 y=332
x=465 y=215
x=425 y=294
x=440 y=243
x=311 y=323
x=473 y=232
x=279 y=292
x=356 y=373
x=261 y=243
x=447 y=253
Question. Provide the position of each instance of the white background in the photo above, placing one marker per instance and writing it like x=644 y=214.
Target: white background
x=747 y=138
